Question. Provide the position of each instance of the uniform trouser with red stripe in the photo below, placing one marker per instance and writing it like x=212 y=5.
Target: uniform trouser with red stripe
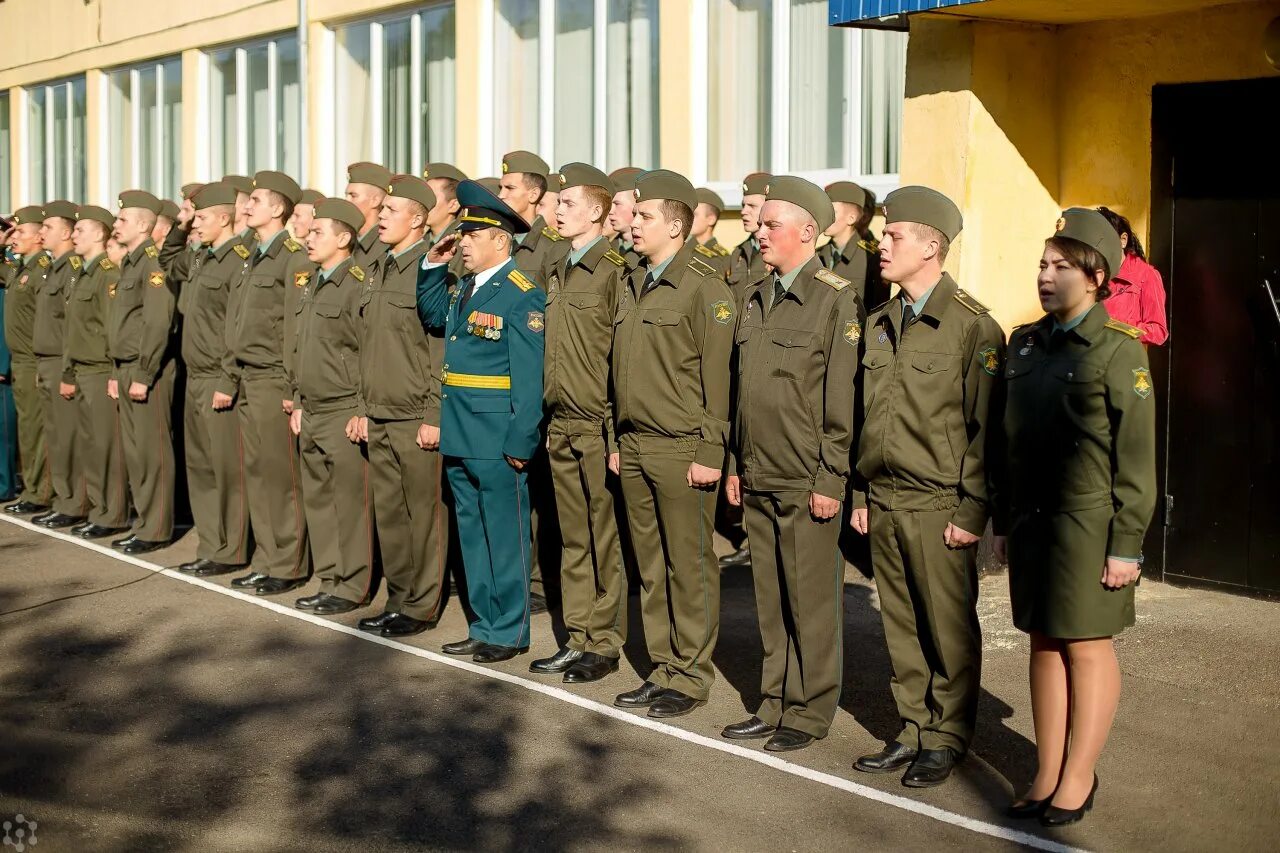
x=276 y=514
x=491 y=500
x=335 y=493
x=61 y=417
x=102 y=451
x=413 y=532
x=215 y=475
x=148 y=452
x=37 y=485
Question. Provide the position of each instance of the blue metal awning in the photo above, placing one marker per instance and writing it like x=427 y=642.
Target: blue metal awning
x=885 y=13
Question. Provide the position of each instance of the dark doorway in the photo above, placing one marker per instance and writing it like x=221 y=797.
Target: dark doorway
x=1216 y=231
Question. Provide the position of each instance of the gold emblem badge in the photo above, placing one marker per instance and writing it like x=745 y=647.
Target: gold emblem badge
x=1062 y=223
x=111 y=290
x=990 y=360
x=300 y=279
x=722 y=312
x=157 y=279
x=1142 y=382
x=563 y=180
x=852 y=332
x=505 y=167
x=536 y=321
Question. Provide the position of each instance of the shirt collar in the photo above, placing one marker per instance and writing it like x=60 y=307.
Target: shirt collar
x=267 y=245
x=656 y=272
x=401 y=254
x=332 y=273
x=576 y=255
x=484 y=276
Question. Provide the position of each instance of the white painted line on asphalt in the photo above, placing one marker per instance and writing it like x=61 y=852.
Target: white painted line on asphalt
x=768 y=760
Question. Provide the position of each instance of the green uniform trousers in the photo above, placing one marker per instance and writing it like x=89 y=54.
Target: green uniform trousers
x=215 y=475
x=928 y=603
x=671 y=530
x=799 y=583
x=276 y=515
x=335 y=493
x=61 y=420
x=102 y=452
x=37 y=482
x=593 y=578
x=148 y=453
x=413 y=532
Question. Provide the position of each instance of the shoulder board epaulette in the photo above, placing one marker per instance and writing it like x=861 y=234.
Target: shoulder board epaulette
x=292 y=245
x=827 y=277
x=880 y=307
x=870 y=246
x=357 y=273
x=701 y=268
x=43 y=260
x=521 y=281
x=106 y=264
x=720 y=250
x=970 y=303
x=1124 y=328
x=241 y=250
x=551 y=234
x=76 y=262
x=152 y=252
x=703 y=250
x=614 y=258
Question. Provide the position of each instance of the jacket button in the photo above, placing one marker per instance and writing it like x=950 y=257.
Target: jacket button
x=454 y=338
x=1070 y=375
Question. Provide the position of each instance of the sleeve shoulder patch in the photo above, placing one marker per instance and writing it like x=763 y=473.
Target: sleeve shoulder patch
x=970 y=303
x=521 y=281
x=551 y=234
x=701 y=267
x=43 y=261
x=156 y=279
x=241 y=250
x=76 y=262
x=152 y=252
x=357 y=273
x=106 y=264
x=830 y=279
x=292 y=245
x=1125 y=329
x=614 y=258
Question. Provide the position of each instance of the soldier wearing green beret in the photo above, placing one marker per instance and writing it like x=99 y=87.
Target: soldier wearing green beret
x=367 y=185
x=746 y=267
x=19 y=324
x=705 y=218
x=400 y=364
x=262 y=319
x=1074 y=496
x=932 y=356
x=854 y=252
x=672 y=340
x=69 y=503
x=621 y=212
x=327 y=408
x=798 y=339
x=583 y=292
x=139 y=341
x=87 y=369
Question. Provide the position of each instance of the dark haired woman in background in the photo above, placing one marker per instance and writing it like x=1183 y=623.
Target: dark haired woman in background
x=1074 y=494
x=1137 y=293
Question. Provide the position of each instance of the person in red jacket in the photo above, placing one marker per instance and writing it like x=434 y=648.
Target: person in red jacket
x=1137 y=290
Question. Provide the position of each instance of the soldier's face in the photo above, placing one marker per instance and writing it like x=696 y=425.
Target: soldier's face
x=258 y=210
x=574 y=215
x=54 y=232
x=209 y=224
x=242 y=205
x=1064 y=289
x=303 y=220
x=130 y=226
x=522 y=199
x=785 y=232
x=547 y=206
x=26 y=239
x=397 y=220
x=484 y=248
x=163 y=225
x=847 y=216
x=651 y=232
x=704 y=221
x=446 y=204
x=116 y=251
x=904 y=252
x=621 y=213
x=325 y=242
x=751 y=205
x=367 y=198
x=86 y=238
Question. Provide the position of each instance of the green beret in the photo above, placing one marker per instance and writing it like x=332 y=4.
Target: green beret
x=61 y=209
x=141 y=199
x=1092 y=228
x=448 y=171
x=410 y=187
x=311 y=197
x=624 y=179
x=188 y=190
x=169 y=209
x=490 y=184
x=757 y=183
x=27 y=215
x=665 y=184
x=341 y=210
x=925 y=206
x=279 y=182
x=213 y=195
x=849 y=193
x=369 y=173
x=94 y=213
x=241 y=183
x=807 y=196
x=579 y=175
x=706 y=196
x=526 y=162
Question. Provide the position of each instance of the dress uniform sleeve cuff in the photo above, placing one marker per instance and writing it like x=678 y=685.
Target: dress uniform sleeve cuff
x=829 y=485
x=709 y=454
x=1124 y=546
x=971 y=516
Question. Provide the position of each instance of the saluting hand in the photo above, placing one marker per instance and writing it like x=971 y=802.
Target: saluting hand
x=701 y=477
x=443 y=251
x=138 y=392
x=429 y=437
x=1117 y=574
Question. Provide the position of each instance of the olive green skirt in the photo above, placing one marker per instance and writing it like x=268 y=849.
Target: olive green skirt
x=1056 y=562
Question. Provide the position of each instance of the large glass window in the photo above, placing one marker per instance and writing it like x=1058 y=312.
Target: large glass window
x=631 y=78
x=394 y=93
x=6 y=192
x=738 y=99
x=144 y=120
x=56 y=140
x=254 y=108
x=516 y=107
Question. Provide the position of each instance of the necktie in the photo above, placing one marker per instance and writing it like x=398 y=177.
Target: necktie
x=649 y=284
x=1056 y=337
x=908 y=314
x=466 y=284
x=779 y=292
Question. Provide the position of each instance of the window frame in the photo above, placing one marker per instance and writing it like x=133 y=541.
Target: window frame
x=49 y=190
x=6 y=170
x=204 y=151
x=103 y=153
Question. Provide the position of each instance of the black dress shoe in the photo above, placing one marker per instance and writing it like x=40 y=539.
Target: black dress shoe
x=893 y=757
x=333 y=605
x=1054 y=816
x=739 y=559
x=277 y=586
x=406 y=626
x=748 y=729
x=374 y=624
x=642 y=697
x=788 y=740
x=187 y=567
x=120 y=543
x=1024 y=809
x=142 y=546
x=96 y=531
x=496 y=654
x=558 y=662
x=468 y=646
x=673 y=703
x=212 y=569
x=36 y=519
x=931 y=768
x=537 y=603
x=58 y=520
x=25 y=508
x=308 y=602
x=80 y=528
x=590 y=667
x=249 y=581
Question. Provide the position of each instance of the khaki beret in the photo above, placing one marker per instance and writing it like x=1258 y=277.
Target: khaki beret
x=279 y=182
x=706 y=196
x=757 y=183
x=141 y=199
x=188 y=190
x=1092 y=228
x=242 y=183
x=29 y=214
x=526 y=162
x=169 y=209
x=579 y=175
x=311 y=197
x=925 y=206
x=665 y=184
x=414 y=188
x=213 y=195
x=805 y=195
x=61 y=209
x=849 y=193
x=369 y=173
x=490 y=184
x=624 y=179
x=341 y=210
x=448 y=171
x=93 y=213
